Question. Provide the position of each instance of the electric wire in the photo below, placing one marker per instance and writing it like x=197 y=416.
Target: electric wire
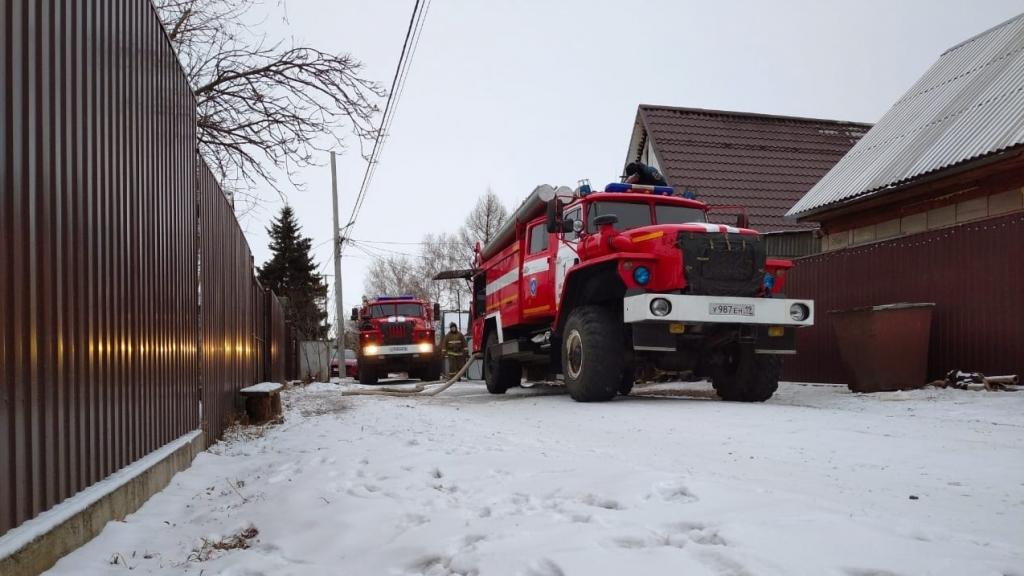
x=409 y=45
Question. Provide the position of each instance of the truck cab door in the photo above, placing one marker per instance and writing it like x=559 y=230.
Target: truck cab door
x=538 y=296
x=565 y=250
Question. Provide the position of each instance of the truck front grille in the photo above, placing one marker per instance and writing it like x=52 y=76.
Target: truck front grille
x=722 y=264
x=395 y=333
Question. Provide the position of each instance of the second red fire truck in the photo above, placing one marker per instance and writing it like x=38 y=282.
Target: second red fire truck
x=396 y=334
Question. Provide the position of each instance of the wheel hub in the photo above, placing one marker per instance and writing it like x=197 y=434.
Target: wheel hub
x=574 y=354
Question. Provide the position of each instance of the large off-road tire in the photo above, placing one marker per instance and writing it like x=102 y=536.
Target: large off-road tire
x=592 y=349
x=500 y=375
x=743 y=376
x=367 y=373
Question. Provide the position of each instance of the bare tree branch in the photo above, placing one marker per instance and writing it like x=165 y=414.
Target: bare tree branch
x=402 y=274
x=264 y=107
x=483 y=223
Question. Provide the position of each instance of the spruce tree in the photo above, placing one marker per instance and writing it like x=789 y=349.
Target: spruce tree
x=292 y=274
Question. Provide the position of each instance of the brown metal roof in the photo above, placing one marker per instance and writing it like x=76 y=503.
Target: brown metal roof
x=760 y=161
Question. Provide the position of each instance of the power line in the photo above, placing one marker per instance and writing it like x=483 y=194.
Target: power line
x=383 y=252
x=416 y=21
x=421 y=243
x=386 y=123
x=365 y=251
x=397 y=91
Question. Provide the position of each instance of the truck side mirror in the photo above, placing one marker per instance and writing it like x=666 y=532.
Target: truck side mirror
x=555 y=223
x=742 y=221
x=355 y=314
x=437 y=311
x=570 y=225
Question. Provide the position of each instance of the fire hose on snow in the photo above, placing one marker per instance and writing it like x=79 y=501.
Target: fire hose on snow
x=420 y=389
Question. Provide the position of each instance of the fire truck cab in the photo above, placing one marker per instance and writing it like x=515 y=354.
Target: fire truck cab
x=608 y=287
x=396 y=334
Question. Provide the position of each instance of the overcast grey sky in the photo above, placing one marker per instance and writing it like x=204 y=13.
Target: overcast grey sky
x=511 y=94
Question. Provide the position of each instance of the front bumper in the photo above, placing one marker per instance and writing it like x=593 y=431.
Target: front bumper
x=717 y=310
x=412 y=350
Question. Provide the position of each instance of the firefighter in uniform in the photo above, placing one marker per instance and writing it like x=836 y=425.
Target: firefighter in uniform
x=640 y=173
x=454 y=346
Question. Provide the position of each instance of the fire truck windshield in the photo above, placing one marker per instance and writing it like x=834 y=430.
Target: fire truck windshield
x=630 y=215
x=634 y=215
x=401 y=309
x=668 y=214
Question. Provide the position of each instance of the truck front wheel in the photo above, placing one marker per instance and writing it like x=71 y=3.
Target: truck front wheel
x=740 y=375
x=592 y=351
x=499 y=375
x=367 y=373
x=432 y=371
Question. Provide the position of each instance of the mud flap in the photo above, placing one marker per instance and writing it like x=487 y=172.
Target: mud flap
x=775 y=340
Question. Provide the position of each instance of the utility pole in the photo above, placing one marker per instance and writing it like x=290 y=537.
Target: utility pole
x=340 y=327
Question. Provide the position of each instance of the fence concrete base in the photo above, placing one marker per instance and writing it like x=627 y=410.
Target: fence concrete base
x=38 y=544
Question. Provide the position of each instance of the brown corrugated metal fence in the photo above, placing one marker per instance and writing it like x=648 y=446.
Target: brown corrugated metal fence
x=259 y=332
x=226 y=274
x=276 y=337
x=972 y=273
x=100 y=298
x=97 y=261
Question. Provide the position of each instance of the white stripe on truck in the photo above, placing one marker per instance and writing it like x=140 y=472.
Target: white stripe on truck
x=502 y=281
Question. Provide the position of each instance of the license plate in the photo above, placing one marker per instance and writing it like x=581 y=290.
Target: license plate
x=400 y=349
x=723 y=309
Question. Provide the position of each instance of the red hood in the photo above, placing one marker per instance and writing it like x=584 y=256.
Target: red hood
x=702 y=227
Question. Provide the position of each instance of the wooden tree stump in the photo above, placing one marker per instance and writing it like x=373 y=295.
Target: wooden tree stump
x=262 y=402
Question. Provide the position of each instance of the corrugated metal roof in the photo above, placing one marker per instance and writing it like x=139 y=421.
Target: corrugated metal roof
x=760 y=161
x=968 y=105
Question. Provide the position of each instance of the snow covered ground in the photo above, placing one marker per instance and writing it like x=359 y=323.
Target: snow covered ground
x=816 y=481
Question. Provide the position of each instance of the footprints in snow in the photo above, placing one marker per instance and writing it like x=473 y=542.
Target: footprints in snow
x=457 y=563
x=600 y=502
x=673 y=491
x=674 y=536
x=544 y=567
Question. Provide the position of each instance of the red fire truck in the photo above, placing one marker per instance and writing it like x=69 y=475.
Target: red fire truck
x=608 y=287
x=396 y=334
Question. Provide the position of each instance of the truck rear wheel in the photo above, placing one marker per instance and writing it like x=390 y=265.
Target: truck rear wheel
x=592 y=350
x=743 y=376
x=367 y=373
x=499 y=375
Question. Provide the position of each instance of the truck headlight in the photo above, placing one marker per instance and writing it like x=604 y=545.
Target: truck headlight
x=370 y=350
x=799 y=312
x=641 y=275
x=425 y=348
x=660 y=307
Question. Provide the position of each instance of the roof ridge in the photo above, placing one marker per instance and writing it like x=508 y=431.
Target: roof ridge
x=713 y=112
x=982 y=33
